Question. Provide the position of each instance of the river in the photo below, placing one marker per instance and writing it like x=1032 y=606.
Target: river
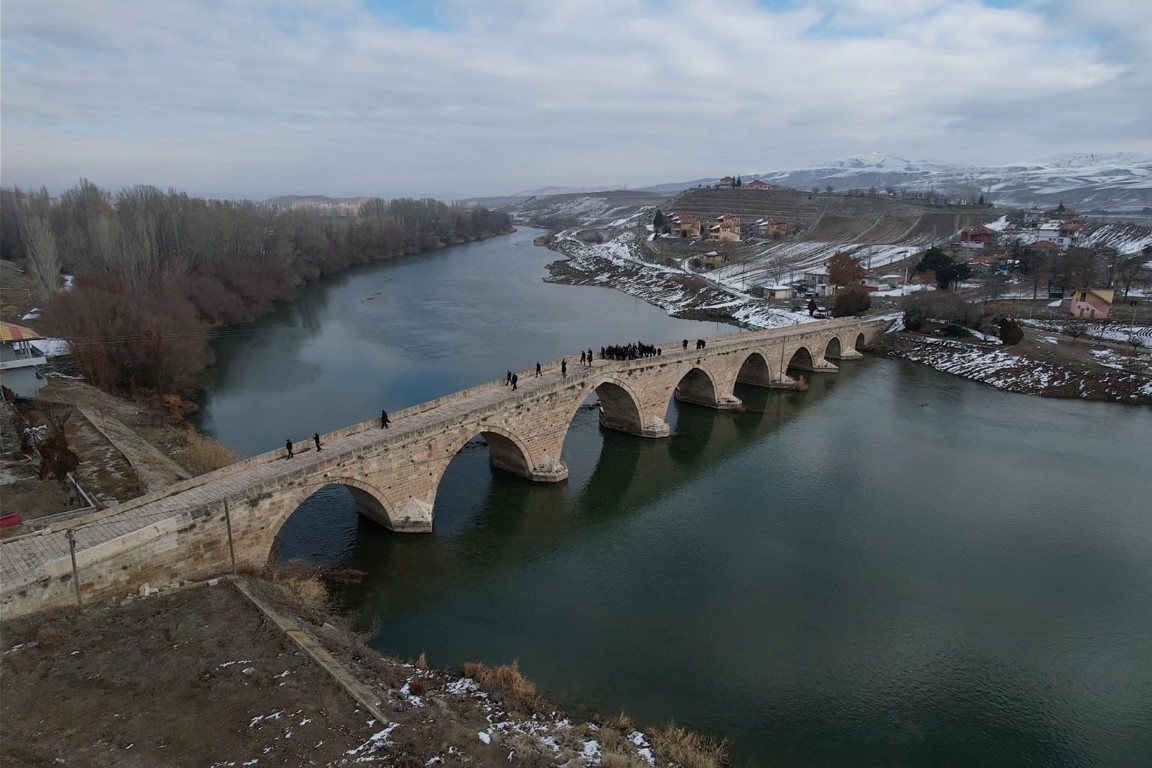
x=897 y=567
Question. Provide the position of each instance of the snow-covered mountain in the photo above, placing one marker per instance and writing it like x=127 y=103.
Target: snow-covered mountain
x=1120 y=181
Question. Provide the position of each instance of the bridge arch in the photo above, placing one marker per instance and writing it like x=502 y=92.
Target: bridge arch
x=506 y=450
x=620 y=407
x=371 y=502
x=860 y=341
x=697 y=386
x=832 y=350
x=755 y=370
x=802 y=359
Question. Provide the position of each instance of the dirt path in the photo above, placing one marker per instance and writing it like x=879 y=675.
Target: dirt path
x=201 y=677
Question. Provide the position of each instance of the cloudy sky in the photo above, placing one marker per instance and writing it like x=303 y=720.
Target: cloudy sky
x=470 y=97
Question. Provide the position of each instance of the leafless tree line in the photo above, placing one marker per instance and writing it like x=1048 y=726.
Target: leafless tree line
x=156 y=270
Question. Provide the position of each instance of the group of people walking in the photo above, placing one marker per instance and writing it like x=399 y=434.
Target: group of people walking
x=632 y=351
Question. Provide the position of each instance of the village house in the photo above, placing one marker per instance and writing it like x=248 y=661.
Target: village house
x=683 y=224
x=19 y=360
x=882 y=282
x=712 y=259
x=725 y=228
x=815 y=280
x=726 y=183
x=978 y=237
x=766 y=227
x=1091 y=303
x=773 y=291
x=757 y=184
x=1064 y=233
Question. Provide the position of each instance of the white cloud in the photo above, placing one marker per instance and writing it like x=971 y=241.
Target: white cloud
x=327 y=97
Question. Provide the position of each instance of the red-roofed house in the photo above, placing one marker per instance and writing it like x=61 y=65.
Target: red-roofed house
x=757 y=184
x=726 y=227
x=978 y=236
x=726 y=183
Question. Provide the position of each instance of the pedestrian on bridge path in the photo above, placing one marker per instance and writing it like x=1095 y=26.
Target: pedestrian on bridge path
x=515 y=379
x=537 y=370
x=316 y=437
x=384 y=421
x=564 y=368
x=288 y=447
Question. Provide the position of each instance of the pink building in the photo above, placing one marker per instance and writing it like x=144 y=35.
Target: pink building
x=1091 y=303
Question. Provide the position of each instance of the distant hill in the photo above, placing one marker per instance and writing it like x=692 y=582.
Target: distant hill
x=1119 y=181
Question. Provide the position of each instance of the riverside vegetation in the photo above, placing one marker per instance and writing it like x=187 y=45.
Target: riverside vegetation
x=156 y=272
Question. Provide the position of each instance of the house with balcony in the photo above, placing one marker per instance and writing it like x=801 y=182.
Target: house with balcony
x=725 y=228
x=683 y=224
x=20 y=359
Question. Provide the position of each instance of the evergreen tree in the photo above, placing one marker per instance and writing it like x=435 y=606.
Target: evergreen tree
x=658 y=222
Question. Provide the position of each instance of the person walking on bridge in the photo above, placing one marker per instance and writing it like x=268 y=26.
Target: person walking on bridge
x=515 y=379
x=537 y=370
x=384 y=420
x=316 y=439
x=564 y=368
x=582 y=358
x=288 y=447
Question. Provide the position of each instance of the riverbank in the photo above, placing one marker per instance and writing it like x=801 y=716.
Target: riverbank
x=260 y=672
x=1045 y=363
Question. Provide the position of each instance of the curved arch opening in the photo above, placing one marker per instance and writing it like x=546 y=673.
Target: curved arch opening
x=696 y=386
x=320 y=526
x=832 y=351
x=618 y=408
x=755 y=371
x=801 y=360
x=860 y=342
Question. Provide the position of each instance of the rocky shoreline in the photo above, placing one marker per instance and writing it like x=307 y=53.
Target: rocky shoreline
x=1007 y=369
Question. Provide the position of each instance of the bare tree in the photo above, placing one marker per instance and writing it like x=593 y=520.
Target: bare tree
x=41 y=255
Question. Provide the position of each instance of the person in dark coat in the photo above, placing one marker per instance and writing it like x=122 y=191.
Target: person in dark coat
x=589 y=358
x=583 y=357
x=316 y=439
x=537 y=370
x=685 y=343
x=288 y=447
x=384 y=420
x=515 y=379
x=564 y=368
x=508 y=378
x=812 y=306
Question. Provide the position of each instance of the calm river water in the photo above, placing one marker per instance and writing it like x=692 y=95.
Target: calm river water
x=895 y=568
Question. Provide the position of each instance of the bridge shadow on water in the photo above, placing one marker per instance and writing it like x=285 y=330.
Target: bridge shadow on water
x=487 y=519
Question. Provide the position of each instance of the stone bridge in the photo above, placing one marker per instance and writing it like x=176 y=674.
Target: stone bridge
x=199 y=527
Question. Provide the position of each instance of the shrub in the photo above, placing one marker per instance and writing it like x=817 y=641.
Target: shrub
x=851 y=302
x=517 y=691
x=1010 y=331
x=206 y=454
x=687 y=749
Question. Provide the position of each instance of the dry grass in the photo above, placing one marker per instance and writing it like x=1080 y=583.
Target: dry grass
x=687 y=749
x=309 y=591
x=206 y=454
x=516 y=691
x=421 y=661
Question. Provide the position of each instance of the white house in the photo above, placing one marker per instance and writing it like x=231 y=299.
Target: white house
x=19 y=360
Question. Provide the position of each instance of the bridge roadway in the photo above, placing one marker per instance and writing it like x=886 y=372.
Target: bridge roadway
x=181 y=532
